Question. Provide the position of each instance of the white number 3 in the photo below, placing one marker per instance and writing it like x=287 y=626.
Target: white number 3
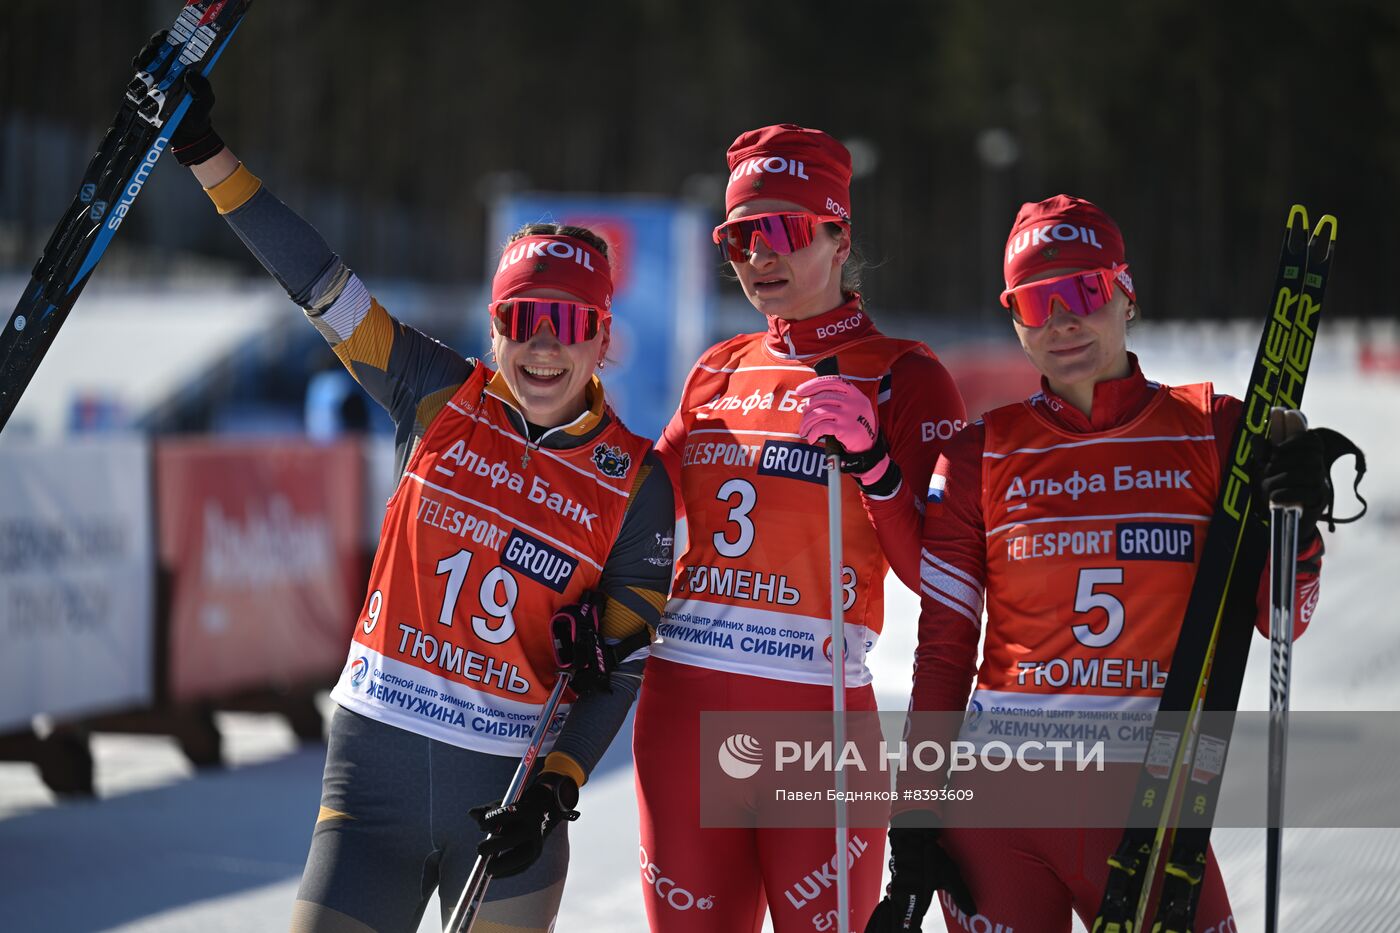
x=739 y=515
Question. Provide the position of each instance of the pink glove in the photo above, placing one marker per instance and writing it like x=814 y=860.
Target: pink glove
x=835 y=408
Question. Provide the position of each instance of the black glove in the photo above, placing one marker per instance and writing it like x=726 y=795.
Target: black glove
x=194 y=140
x=516 y=832
x=579 y=647
x=866 y=460
x=918 y=868
x=1296 y=473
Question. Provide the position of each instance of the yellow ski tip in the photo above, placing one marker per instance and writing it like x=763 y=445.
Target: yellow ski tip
x=1296 y=210
x=1104 y=926
x=1328 y=222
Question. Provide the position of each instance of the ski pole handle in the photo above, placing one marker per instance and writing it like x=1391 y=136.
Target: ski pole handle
x=826 y=366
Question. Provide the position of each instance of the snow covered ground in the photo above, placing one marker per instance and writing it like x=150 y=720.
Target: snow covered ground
x=168 y=850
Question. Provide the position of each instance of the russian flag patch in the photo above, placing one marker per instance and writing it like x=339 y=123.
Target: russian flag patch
x=936 y=484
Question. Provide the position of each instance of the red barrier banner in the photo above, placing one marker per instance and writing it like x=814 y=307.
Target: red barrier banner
x=262 y=544
x=990 y=375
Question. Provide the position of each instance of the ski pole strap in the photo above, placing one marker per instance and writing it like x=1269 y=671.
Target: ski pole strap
x=1336 y=445
x=617 y=652
x=578 y=639
x=202 y=149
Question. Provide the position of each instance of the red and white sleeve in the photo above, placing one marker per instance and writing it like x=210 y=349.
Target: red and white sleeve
x=919 y=413
x=952 y=578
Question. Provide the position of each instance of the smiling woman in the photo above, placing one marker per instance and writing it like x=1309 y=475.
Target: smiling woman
x=745 y=446
x=1091 y=579
x=548 y=341
x=522 y=498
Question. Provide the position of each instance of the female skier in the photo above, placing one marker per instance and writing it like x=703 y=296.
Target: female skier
x=1090 y=579
x=755 y=556
x=521 y=493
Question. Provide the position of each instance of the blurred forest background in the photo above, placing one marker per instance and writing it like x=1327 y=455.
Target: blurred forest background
x=393 y=125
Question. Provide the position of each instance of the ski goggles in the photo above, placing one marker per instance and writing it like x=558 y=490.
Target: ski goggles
x=519 y=319
x=784 y=232
x=1080 y=293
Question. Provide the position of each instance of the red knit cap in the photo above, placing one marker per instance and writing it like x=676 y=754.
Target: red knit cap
x=560 y=262
x=1062 y=232
x=790 y=163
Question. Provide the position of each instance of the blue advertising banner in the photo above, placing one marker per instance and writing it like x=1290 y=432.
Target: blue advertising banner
x=663 y=290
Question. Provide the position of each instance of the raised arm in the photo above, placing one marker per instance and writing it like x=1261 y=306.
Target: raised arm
x=411 y=375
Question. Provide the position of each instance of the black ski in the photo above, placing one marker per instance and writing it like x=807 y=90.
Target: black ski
x=153 y=105
x=1186 y=865
x=1207 y=666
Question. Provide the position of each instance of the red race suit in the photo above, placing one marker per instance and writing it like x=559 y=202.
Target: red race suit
x=1082 y=536
x=748 y=624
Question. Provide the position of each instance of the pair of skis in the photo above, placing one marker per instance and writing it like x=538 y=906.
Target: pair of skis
x=1186 y=753
x=152 y=107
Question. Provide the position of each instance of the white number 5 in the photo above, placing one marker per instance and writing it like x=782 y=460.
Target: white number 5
x=1085 y=600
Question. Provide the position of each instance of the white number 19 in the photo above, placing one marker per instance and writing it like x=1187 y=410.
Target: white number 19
x=501 y=611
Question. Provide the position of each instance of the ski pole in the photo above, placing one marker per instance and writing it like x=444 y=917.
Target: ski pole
x=827 y=367
x=1284 y=519
x=1283 y=553
x=474 y=894
x=1212 y=646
